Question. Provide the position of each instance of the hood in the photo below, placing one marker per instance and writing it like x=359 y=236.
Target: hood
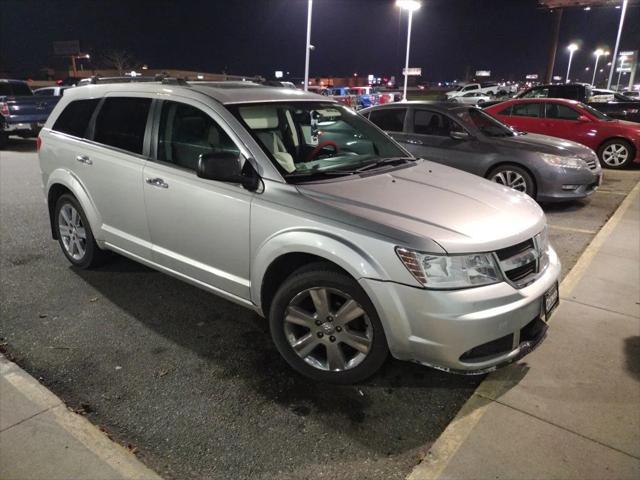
x=459 y=211
x=534 y=142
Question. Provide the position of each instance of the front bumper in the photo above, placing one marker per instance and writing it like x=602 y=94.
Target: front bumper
x=566 y=184
x=441 y=328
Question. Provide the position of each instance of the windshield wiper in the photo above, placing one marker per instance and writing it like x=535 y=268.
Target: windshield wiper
x=320 y=173
x=384 y=161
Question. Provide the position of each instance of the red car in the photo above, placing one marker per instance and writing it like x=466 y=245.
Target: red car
x=616 y=142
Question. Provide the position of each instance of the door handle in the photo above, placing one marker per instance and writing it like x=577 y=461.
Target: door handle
x=84 y=159
x=156 y=182
x=414 y=142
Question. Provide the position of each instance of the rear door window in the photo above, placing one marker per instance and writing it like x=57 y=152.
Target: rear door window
x=75 y=118
x=121 y=123
x=389 y=119
x=526 y=110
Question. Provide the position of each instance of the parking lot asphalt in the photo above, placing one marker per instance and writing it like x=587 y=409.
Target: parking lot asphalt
x=193 y=382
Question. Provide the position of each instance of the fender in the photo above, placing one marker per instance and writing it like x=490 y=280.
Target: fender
x=68 y=179
x=353 y=259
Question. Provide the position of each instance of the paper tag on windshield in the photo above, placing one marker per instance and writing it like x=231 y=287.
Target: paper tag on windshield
x=314 y=127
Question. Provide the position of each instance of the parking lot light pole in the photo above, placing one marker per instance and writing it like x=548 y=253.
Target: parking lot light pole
x=615 y=50
x=410 y=6
x=572 y=48
x=308 y=53
x=597 y=53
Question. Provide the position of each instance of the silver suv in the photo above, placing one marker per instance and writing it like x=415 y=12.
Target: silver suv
x=296 y=207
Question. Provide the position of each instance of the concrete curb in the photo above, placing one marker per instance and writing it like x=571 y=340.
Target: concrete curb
x=115 y=458
x=446 y=446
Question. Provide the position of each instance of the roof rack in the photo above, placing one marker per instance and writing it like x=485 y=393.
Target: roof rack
x=164 y=79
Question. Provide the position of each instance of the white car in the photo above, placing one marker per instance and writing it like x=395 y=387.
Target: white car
x=56 y=91
x=472 y=98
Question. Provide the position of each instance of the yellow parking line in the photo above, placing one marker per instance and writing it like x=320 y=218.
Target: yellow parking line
x=571 y=229
x=445 y=447
x=612 y=192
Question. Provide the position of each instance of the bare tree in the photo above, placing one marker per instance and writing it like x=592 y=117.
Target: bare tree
x=119 y=60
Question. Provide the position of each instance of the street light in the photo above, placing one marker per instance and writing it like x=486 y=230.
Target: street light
x=309 y=47
x=615 y=49
x=598 y=53
x=623 y=58
x=410 y=6
x=572 y=48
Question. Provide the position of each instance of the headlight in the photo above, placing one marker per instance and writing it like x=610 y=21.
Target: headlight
x=449 y=272
x=565 y=162
x=542 y=245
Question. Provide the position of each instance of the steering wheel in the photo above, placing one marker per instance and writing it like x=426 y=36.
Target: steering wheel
x=321 y=146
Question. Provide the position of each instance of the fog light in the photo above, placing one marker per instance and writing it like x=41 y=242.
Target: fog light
x=570 y=187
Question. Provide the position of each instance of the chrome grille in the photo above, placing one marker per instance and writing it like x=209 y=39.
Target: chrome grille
x=520 y=263
x=590 y=160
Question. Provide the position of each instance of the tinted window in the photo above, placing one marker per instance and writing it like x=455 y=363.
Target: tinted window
x=566 y=91
x=75 y=118
x=389 y=119
x=526 y=110
x=561 y=112
x=44 y=92
x=14 y=88
x=426 y=122
x=186 y=133
x=121 y=123
x=505 y=111
x=540 y=92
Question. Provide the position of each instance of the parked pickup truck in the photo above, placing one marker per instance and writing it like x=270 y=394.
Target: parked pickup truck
x=21 y=112
x=617 y=106
x=486 y=88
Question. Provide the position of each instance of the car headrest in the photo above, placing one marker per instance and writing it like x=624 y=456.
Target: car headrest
x=260 y=117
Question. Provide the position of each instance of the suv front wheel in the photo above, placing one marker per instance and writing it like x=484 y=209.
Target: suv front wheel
x=75 y=235
x=325 y=326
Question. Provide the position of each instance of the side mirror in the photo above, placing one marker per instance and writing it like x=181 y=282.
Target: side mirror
x=227 y=167
x=459 y=135
x=583 y=119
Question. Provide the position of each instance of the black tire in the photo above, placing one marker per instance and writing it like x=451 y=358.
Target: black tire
x=615 y=162
x=322 y=275
x=4 y=139
x=93 y=255
x=529 y=184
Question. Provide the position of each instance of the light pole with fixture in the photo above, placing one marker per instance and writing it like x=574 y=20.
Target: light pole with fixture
x=309 y=47
x=572 y=48
x=598 y=53
x=615 y=50
x=410 y=6
x=623 y=58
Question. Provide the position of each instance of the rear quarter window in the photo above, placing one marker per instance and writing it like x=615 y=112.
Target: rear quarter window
x=75 y=118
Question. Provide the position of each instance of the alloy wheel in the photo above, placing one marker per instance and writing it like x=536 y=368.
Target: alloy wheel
x=615 y=155
x=72 y=232
x=511 y=179
x=328 y=329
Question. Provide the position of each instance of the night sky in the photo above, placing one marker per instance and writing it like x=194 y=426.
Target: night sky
x=508 y=37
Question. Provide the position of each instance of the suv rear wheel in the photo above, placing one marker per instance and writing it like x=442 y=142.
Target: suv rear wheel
x=325 y=326
x=616 y=153
x=75 y=235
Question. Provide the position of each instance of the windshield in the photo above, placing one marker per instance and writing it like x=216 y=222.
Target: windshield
x=489 y=126
x=596 y=113
x=310 y=140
